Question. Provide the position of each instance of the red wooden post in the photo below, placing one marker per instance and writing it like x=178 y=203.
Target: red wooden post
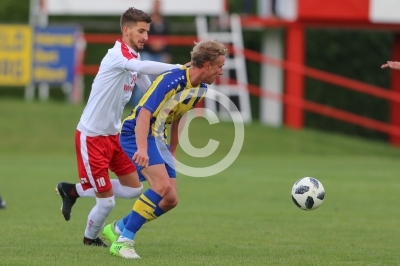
x=294 y=82
x=395 y=84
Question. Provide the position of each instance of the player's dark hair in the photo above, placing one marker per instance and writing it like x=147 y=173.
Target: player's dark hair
x=133 y=15
x=205 y=51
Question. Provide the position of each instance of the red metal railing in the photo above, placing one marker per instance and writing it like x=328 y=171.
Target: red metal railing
x=289 y=66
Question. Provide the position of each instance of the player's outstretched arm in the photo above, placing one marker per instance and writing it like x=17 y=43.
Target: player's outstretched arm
x=143 y=82
x=392 y=65
x=149 y=67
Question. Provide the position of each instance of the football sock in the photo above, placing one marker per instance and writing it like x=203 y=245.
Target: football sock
x=119 y=190
x=120 y=224
x=98 y=216
x=143 y=210
x=117 y=228
x=157 y=213
x=125 y=192
x=84 y=193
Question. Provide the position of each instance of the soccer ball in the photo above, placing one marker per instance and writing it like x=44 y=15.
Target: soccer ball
x=308 y=193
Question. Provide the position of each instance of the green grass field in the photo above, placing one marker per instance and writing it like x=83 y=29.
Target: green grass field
x=242 y=216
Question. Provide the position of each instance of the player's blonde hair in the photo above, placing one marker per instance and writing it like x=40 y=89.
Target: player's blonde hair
x=205 y=51
x=133 y=15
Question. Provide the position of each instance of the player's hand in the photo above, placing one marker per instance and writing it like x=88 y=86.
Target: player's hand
x=392 y=65
x=188 y=64
x=141 y=158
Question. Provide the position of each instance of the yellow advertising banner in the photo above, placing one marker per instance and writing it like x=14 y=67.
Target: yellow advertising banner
x=15 y=55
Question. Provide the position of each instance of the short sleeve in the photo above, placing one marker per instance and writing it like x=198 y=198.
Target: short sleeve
x=157 y=94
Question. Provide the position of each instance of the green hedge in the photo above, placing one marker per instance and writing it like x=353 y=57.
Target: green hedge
x=353 y=54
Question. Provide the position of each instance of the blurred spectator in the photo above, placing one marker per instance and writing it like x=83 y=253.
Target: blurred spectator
x=264 y=8
x=157 y=49
x=283 y=9
x=2 y=203
x=392 y=65
x=247 y=7
x=274 y=10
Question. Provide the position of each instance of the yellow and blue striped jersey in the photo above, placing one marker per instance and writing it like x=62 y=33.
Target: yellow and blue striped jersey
x=169 y=97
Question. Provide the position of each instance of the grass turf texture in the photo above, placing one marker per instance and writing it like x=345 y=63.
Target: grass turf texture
x=242 y=216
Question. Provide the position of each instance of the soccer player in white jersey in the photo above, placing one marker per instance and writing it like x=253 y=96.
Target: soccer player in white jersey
x=97 y=136
x=143 y=138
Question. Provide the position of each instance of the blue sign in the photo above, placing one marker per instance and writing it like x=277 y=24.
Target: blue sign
x=54 y=55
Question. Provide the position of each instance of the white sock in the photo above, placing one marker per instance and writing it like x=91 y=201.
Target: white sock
x=125 y=192
x=116 y=229
x=84 y=193
x=120 y=191
x=123 y=239
x=98 y=215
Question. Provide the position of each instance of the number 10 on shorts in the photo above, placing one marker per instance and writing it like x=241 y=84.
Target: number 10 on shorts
x=101 y=182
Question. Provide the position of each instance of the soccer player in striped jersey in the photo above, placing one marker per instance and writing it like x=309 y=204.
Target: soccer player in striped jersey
x=97 y=136
x=143 y=138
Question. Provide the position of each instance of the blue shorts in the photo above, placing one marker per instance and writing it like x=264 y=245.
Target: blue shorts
x=157 y=150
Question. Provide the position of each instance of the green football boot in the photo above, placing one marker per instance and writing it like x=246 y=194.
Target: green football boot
x=109 y=232
x=124 y=250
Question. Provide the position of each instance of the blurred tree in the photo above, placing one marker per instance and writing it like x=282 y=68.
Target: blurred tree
x=14 y=11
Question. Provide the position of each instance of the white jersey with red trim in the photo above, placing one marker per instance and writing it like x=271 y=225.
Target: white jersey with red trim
x=112 y=88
